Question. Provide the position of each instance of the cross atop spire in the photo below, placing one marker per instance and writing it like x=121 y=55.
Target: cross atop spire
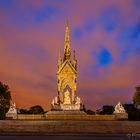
x=67 y=43
x=67 y=38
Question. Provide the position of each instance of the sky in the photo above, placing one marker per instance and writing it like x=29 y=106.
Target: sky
x=104 y=33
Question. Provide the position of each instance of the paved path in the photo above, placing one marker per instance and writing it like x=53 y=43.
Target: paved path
x=70 y=127
x=44 y=136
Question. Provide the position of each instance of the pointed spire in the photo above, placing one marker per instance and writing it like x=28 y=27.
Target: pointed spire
x=59 y=60
x=67 y=43
x=74 y=60
x=74 y=55
x=67 y=38
x=59 y=55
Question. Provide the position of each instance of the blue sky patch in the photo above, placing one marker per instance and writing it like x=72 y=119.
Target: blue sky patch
x=136 y=31
x=89 y=26
x=43 y=14
x=136 y=3
x=105 y=57
x=109 y=18
x=129 y=41
x=129 y=47
x=77 y=33
x=6 y=3
x=128 y=33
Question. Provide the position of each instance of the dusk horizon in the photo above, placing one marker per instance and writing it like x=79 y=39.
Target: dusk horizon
x=104 y=34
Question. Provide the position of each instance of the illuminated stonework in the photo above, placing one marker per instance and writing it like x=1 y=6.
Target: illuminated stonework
x=67 y=75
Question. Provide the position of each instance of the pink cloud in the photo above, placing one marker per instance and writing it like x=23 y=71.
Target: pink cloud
x=32 y=75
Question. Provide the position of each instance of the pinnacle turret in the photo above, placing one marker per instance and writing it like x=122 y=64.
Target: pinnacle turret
x=67 y=44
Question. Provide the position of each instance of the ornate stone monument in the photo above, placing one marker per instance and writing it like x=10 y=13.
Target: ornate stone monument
x=67 y=99
x=120 y=112
x=12 y=112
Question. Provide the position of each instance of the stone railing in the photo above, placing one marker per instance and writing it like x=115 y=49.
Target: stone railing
x=79 y=117
x=71 y=117
x=31 y=117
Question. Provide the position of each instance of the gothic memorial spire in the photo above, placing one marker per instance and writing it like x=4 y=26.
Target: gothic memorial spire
x=67 y=43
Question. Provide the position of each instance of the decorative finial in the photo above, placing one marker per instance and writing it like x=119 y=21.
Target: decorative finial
x=67 y=32
x=74 y=54
x=74 y=60
x=67 y=23
x=59 y=54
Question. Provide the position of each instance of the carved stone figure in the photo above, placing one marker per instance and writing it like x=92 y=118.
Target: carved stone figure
x=78 y=101
x=52 y=102
x=12 y=112
x=55 y=100
x=67 y=99
x=119 y=108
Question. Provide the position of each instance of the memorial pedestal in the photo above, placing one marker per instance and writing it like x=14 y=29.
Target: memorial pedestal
x=10 y=116
x=66 y=112
x=121 y=116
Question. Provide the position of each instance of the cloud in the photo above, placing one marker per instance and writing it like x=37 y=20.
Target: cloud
x=105 y=35
x=77 y=33
x=6 y=3
x=110 y=18
x=104 y=57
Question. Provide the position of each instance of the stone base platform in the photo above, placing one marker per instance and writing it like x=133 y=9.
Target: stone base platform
x=82 y=116
x=70 y=115
x=61 y=107
x=72 y=112
x=65 y=115
x=11 y=116
x=70 y=127
x=121 y=116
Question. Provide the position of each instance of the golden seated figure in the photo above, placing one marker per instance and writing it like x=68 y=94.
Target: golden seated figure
x=67 y=99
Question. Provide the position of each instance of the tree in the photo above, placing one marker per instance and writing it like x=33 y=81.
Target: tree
x=90 y=112
x=24 y=111
x=37 y=109
x=107 y=109
x=133 y=113
x=5 y=97
x=136 y=98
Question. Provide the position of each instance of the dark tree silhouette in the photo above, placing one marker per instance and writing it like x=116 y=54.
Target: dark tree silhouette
x=90 y=112
x=37 y=109
x=136 y=98
x=24 y=111
x=133 y=113
x=107 y=109
x=5 y=97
